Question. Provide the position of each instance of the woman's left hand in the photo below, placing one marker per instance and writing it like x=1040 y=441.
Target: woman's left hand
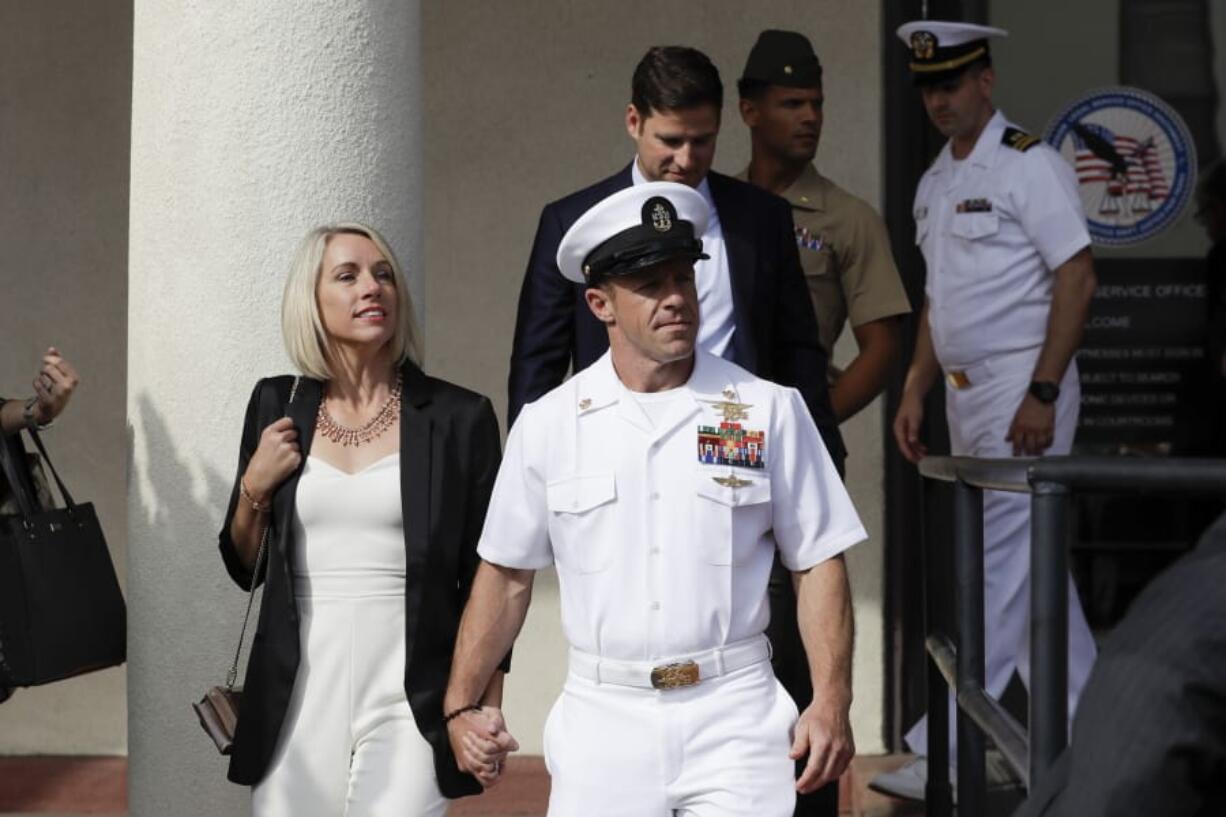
x=53 y=387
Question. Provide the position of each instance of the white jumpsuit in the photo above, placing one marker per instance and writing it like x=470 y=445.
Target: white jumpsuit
x=992 y=228
x=350 y=746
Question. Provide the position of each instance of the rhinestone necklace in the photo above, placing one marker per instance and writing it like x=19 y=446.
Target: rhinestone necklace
x=346 y=436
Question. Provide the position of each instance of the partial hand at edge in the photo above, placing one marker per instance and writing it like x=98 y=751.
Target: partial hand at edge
x=907 y=424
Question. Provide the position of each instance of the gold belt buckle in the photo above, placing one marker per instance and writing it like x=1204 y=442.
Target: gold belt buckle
x=957 y=379
x=671 y=676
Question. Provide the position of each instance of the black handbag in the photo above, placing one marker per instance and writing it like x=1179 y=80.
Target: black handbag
x=61 y=609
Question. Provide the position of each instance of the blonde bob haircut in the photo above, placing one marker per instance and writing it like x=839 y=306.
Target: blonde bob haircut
x=307 y=344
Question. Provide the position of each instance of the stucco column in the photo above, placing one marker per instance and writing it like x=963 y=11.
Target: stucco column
x=251 y=122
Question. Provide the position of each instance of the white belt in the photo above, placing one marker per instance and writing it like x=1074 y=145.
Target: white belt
x=966 y=376
x=682 y=671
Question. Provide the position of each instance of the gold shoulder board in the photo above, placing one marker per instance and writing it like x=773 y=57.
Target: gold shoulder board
x=1019 y=140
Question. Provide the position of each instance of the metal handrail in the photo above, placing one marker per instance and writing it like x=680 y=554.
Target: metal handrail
x=1051 y=482
x=987 y=712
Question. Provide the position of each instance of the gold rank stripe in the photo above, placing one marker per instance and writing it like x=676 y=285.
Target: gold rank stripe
x=956 y=62
x=1021 y=141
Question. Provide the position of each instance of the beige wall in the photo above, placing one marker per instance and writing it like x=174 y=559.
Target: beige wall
x=526 y=106
x=65 y=74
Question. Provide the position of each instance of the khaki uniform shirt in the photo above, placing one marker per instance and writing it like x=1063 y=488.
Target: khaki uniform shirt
x=845 y=253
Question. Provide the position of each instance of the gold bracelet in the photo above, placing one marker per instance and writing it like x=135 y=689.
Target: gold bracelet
x=255 y=506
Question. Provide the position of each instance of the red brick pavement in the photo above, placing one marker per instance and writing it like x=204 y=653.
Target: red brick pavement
x=98 y=785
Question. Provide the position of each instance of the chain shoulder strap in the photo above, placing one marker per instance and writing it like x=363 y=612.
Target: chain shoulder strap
x=232 y=675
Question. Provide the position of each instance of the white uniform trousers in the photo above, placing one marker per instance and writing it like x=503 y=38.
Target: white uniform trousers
x=350 y=746
x=979 y=417
x=715 y=749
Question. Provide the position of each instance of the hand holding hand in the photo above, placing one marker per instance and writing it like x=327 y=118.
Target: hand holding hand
x=274 y=459
x=824 y=733
x=1033 y=428
x=53 y=386
x=481 y=743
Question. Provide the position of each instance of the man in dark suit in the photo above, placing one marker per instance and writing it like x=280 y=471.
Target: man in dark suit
x=753 y=300
x=1150 y=733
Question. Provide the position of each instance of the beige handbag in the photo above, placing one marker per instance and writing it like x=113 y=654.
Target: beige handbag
x=218 y=709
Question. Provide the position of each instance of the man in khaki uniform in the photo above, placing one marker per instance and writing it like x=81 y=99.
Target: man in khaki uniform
x=843 y=244
x=845 y=254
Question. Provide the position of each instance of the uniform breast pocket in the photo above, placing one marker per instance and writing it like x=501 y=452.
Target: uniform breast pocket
x=817 y=263
x=579 y=521
x=731 y=518
x=972 y=226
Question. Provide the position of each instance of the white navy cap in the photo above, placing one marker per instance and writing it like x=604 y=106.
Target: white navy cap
x=943 y=48
x=634 y=229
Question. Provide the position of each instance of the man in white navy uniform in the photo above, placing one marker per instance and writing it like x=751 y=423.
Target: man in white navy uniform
x=660 y=481
x=1010 y=277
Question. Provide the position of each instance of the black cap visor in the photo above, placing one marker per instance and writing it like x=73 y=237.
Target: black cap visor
x=639 y=248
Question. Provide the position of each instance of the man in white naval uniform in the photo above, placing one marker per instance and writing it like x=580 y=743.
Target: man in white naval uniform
x=660 y=481
x=1010 y=277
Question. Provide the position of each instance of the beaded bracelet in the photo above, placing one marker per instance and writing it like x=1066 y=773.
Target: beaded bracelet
x=455 y=713
x=255 y=506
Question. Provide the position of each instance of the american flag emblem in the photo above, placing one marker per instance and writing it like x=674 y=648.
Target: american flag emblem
x=1129 y=167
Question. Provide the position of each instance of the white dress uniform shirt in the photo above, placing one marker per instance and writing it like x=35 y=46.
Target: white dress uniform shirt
x=717 y=322
x=655 y=557
x=992 y=227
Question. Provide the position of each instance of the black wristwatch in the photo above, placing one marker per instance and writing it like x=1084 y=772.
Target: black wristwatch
x=1044 y=391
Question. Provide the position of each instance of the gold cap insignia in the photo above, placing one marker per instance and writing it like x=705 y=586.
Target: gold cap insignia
x=923 y=45
x=660 y=218
x=787 y=69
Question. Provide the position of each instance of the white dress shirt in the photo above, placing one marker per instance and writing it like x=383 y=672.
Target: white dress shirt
x=992 y=227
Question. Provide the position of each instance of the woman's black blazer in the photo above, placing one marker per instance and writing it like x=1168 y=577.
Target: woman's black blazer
x=450 y=452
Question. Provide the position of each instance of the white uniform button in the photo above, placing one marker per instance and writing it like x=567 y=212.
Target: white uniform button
x=655 y=605
x=655 y=551
x=655 y=494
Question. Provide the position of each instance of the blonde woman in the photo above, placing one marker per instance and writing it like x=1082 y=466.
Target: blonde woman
x=372 y=484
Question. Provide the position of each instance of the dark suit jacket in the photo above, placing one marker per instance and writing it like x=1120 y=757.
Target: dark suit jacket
x=776 y=330
x=1149 y=737
x=450 y=442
